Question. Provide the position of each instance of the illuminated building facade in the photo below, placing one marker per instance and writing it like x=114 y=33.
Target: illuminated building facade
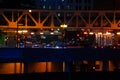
x=64 y=4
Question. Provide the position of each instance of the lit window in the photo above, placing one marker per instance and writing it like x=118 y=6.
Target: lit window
x=58 y=14
x=68 y=7
x=49 y=7
x=44 y=7
x=59 y=7
x=44 y=0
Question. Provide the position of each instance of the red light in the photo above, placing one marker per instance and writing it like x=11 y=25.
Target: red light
x=114 y=47
x=41 y=29
x=95 y=46
x=102 y=47
x=51 y=29
x=85 y=33
x=78 y=35
x=93 y=67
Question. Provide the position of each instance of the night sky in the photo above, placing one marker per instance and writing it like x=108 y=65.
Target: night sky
x=107 y=4
x=98 y=4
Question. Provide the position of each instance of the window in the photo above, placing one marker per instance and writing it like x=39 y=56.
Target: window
x=49 y=7
x=44 y=7
x=44 y=0
x=59 y=14
x=59 y=7
x=68 y=7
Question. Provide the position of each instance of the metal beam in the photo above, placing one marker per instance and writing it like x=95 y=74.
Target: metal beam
x=39 y=20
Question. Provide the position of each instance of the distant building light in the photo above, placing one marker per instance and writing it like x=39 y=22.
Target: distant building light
x=63 y=26
x=52 y=29
x=58 y=14
x=41 y=33
x=78 y=35
x=32 y=33
x=44 y=0
x=25 y=31
x=59 y=7
x=91 y=33
x=108 y=33
x=118 y=33
x=44 y=7
x=30 y=10
x=58 y=29
x=99 y=33
x=85 y=33
x=49 y=7
x=22 y=31
x=52 y=33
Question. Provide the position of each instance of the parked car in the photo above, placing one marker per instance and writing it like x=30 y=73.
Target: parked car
x=21 y=45
x=35 y=46
x=48 y=46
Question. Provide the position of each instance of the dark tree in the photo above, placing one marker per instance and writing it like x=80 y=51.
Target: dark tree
x=17 y=4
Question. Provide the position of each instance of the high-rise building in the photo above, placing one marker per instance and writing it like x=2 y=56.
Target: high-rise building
x=64 y=4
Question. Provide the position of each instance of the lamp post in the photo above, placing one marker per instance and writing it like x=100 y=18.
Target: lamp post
x=17 y=29
x=19 y=25
x=63 y=26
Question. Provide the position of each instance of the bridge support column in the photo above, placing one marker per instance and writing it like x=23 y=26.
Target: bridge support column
x=105 y=65
x=25 y=67
x=66 y=67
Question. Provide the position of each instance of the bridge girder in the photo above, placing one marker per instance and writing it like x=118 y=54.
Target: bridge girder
x=86 y=19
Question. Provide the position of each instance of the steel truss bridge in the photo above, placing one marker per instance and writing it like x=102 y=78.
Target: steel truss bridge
x=86 y=19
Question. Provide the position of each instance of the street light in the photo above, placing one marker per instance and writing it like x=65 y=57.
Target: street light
x=63 y=26
x=19 y=25
x=17 y=28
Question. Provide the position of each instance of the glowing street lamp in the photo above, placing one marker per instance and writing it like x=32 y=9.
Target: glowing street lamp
x=63 y=26
x=99 y=33
x=30 y=10
x=118 y=33
x=108 y=33
x=91 y=33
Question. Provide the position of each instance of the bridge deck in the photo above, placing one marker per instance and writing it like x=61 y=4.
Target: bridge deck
x=57 y=55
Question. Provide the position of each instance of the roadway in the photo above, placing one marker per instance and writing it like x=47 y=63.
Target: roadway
x=57 y=55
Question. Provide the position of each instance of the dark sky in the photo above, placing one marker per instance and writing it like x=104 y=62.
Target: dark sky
x=107 y=4
x=98 y=4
